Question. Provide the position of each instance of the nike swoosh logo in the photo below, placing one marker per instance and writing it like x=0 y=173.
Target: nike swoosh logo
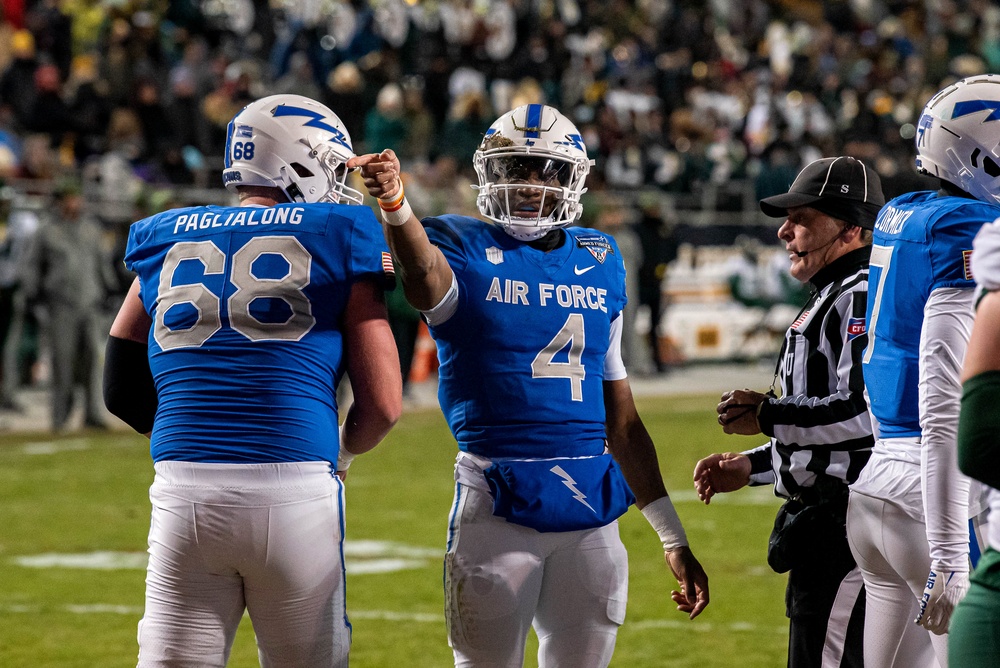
x=578 y=271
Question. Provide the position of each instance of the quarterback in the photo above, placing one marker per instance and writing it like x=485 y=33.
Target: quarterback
x=248 y=317
x=908 y=521
x=526 y=312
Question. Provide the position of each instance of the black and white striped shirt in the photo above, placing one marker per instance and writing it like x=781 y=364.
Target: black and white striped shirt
x=820 y=427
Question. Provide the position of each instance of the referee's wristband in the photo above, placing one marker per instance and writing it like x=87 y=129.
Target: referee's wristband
x=662 y=516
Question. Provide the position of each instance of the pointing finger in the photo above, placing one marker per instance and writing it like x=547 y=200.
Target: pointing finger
x=361 y=160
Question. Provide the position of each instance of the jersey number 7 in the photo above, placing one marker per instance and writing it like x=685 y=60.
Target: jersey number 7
x=880 y=261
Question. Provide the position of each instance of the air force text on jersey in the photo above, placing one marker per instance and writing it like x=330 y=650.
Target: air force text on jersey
x=203 y=220
x=567 y=296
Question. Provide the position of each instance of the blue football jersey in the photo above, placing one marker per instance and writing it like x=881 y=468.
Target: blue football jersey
x=522 y=358
x=246 y=348
x=922 y=241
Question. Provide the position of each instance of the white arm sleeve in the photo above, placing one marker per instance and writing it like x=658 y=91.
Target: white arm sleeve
x=944 y=337
x=446 y=307
x=986 y=256
x=614 y=367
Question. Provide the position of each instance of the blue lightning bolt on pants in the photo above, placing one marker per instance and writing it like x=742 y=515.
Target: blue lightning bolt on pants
x=501 y=579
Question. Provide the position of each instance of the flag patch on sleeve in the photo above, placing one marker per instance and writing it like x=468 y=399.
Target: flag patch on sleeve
x=855 y=328
x=390 y=271
x=967 y=265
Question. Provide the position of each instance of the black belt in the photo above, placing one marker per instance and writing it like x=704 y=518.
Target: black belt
x=824 y=490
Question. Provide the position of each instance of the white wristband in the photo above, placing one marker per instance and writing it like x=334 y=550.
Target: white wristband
x=663 y=518
x=344 y=458
x=399 y=216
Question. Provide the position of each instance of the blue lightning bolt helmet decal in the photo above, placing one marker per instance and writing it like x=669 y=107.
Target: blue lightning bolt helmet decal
x=966 y=107
x=316 y=120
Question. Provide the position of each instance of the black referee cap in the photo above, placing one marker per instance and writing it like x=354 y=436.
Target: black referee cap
x=842 y=187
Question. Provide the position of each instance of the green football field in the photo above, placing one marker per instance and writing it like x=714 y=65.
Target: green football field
x=74 y=514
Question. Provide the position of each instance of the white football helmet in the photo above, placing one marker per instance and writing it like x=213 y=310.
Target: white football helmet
x=533 y=142
x=956 y=139
x=292 y=143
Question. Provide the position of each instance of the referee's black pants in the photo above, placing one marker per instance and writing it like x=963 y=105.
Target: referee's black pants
x=826 y=605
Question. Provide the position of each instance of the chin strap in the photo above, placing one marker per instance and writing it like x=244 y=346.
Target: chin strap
x=529 y=233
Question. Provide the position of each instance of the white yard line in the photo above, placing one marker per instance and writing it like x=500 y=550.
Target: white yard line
x=410 y=617
x=753 y=496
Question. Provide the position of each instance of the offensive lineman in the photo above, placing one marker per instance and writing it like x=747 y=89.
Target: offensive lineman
x=249 y=316
x=908 y=520
x=526 y=313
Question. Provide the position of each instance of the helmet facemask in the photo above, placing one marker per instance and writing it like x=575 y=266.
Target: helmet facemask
x=528 y=190
x=331 y=182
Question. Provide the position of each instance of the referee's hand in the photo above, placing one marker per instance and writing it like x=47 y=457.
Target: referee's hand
x=738 y=412
x=721 y=472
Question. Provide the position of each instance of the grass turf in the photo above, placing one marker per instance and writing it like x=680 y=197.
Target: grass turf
x=88 y=494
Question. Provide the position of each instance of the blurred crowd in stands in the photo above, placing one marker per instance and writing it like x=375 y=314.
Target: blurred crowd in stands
x=668 y=94
x=678 y=98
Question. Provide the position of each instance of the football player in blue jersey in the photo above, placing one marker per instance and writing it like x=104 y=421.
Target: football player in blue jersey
x=229 y=347
x=526 y=312
x=974 y=633
x=909 y=517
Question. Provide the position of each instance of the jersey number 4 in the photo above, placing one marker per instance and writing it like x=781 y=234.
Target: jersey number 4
x=249 y=287
x=545 y=366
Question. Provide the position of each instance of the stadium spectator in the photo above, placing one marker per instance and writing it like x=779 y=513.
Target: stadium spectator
x=535 y=392
x=464 y=130
x=385 y=125
x=17 y=83
x=299 y=80
x=819 y=429
x=18 y=229
x=909 y=518
x=238 y=393
x=419 y=123
x=346 y=90
x=89 y=107
x=659 y=248
x=974 y=632
x=770 y=74
x=69 y=273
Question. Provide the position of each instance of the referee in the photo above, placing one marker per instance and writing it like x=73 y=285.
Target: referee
x=819 y=428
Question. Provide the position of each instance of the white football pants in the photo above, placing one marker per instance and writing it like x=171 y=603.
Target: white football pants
x=502 y=578
x=892 y=552
x=265 y=537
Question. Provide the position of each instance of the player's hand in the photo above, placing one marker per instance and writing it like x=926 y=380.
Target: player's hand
x=342 y=475
x=380 y=172
x=693 y=595
x=721 y=472
x=944 y=590
x=738 y=412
